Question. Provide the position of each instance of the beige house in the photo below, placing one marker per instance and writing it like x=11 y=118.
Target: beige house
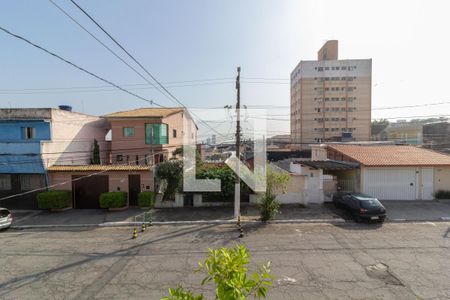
x=330 y=99
x=389 y=172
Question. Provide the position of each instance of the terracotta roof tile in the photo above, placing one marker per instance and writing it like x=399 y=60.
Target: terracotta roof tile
x=146 y=113
x=88 y=168
x=392 y=155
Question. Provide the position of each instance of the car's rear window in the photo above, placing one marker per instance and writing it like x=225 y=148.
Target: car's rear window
x=4 y=213
x=370 y=203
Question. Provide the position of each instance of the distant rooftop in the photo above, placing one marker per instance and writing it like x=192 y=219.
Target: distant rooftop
x=87 y=168
x=146 y=113
x=392 y=155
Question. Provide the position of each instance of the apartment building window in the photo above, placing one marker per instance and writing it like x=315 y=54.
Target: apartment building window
x=327 y=68
x=174 y=133
x=137 y=159
x=320 y=69
x=128 y=131
x=343 y=68
x=146 y=159
x=128 y=159
x=29 y=133
x=119 y=157
x=156 y=134
x=5 y=182
x=31 y=182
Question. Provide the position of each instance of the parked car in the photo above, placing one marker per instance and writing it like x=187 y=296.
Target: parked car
x=360 y=206
x=5 y=218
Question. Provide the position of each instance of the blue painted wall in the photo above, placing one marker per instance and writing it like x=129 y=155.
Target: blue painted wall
x=19 y=155
x=12 y=131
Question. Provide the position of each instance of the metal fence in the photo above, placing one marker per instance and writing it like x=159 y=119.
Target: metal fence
x=346 y=185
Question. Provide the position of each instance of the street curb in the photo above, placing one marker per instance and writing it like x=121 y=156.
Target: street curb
x=217 y=222
x=198 y=222
x=440 y=219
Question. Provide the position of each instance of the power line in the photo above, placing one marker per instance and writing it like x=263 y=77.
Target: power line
x=76 y=66
x=138 y=63
x=96 y=89
x=72 y=180
x=100 y=42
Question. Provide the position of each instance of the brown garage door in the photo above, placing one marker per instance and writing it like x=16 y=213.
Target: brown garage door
x=86 y=191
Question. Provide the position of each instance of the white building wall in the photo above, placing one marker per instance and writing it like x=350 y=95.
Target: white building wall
x=72 y=138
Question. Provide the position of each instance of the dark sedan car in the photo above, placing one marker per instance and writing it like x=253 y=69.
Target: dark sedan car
x=360 y=206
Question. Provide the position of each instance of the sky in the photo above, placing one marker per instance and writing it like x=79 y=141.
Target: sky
x=194 y=47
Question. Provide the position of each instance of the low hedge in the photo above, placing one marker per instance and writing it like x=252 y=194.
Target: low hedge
x=113 y=199
x=54 y=199
x=146 y=199
x=441 y=194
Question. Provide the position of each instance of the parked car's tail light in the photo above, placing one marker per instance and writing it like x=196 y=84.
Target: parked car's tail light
x=362 y=210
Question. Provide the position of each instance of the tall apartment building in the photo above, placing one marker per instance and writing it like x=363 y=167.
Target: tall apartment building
x=330 y=99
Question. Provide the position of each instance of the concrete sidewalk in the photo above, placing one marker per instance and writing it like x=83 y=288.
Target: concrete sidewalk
x=397 y=211
x=417 y=210
x=75 y=217
x=101 y=218
x=248 y=213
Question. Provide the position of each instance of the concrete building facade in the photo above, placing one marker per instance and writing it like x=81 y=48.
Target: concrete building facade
x=330 y=99
x=32 y=140
x=149 y=135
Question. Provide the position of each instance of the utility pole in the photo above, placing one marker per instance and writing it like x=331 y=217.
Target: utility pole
x=237 y=186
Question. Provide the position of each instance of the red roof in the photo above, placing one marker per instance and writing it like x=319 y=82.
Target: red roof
x=392 y=155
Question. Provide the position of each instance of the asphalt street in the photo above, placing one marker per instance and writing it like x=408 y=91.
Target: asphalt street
x=310 y=261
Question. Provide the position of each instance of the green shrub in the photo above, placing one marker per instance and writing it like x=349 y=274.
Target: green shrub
x=441 y=194
x=54 y=199
x=269 y=207
x=113 y=199
x=227 y=269
x=275 y=182
x=146 y=199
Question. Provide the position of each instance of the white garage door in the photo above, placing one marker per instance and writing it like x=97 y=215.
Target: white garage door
x=391 y=184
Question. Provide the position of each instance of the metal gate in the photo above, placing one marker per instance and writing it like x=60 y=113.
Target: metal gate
x=391 y=184
x=87 y=190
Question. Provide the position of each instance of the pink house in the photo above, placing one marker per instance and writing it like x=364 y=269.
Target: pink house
x=140 y=138
x=148 y=135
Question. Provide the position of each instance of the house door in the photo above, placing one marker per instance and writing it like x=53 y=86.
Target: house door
x=427 y=184
x=134 y=188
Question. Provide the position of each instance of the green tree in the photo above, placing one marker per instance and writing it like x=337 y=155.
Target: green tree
x=275 y=182
x=227 y=268
x=172 y=172
x=95 y=160
x=178 y=152
x=379 y=125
